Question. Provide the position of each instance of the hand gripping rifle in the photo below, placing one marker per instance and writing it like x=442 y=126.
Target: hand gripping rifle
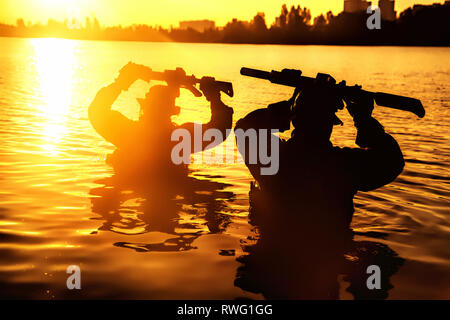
x=178 y=78
x=294 y=78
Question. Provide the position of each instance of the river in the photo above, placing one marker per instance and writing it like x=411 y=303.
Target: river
x=58 y=209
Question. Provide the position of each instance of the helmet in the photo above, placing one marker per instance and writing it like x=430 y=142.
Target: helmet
x=160 y=96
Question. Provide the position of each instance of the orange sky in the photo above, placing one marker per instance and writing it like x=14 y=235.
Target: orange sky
x=163 y=12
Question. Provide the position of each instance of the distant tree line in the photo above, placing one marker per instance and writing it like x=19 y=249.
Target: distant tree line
x=418 y=25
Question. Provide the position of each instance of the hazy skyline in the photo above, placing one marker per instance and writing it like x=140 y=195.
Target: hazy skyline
x=164 y=13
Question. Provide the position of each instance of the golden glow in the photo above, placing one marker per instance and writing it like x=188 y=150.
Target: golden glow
x=164 y=13
x=54 y=61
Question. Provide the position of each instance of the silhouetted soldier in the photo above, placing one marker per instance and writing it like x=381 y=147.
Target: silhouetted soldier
x=145 y=145
x=303 y=212
x=322 y=178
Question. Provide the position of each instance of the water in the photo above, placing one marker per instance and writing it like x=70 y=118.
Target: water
x=57 y=207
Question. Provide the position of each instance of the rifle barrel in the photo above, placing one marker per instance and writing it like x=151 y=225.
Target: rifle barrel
x=255 y=73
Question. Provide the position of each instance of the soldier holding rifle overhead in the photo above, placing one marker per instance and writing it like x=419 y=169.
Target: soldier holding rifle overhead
x=317 y=181
x=145 y=145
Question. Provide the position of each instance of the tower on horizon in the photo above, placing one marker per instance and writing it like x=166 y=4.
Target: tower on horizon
x=353 y=6
x=387 y=8
x=198 y=25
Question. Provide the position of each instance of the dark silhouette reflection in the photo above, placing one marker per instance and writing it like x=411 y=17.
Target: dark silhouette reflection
x=183 y=206
x=296 y=260
x=362 y=254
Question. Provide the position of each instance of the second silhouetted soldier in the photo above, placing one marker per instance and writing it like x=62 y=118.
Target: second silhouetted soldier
x=317 y=181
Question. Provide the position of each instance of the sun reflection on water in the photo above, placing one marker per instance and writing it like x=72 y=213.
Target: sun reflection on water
x=54 y=61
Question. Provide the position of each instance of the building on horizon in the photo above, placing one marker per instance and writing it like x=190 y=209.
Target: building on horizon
x=354 y=6
x=198 y=25
x=387 y=9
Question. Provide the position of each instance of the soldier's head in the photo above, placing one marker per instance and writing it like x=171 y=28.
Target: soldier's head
x=159 y=103
x=315 y=113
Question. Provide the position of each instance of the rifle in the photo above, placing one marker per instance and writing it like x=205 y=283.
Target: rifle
x=294 y=78
x=178 y=78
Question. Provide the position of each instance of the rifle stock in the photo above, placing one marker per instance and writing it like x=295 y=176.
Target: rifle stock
x=400 y=103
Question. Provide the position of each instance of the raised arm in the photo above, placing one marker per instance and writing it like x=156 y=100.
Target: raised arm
x=111 y=124
x=221 y=118
x=380 y=160
x=275 y=117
